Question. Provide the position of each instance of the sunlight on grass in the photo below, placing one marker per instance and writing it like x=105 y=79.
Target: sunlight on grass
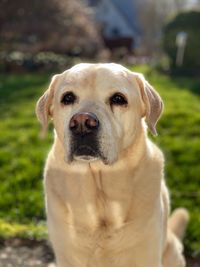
x=9 y=230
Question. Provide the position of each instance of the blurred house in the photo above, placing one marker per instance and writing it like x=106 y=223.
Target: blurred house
x=119 y=23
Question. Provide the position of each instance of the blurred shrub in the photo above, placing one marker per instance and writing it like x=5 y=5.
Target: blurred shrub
x=43 y=61
x=61 y=26
x=184 y=22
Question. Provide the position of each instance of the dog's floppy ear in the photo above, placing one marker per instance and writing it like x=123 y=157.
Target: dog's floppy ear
x=153 y=103
x=44 y=103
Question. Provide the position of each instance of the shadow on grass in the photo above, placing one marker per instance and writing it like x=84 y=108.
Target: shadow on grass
x=188 y=83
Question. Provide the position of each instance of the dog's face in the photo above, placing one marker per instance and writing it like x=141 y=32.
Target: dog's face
x=97 y=110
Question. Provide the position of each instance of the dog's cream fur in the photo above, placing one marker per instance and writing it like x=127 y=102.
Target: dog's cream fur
x=114 y=214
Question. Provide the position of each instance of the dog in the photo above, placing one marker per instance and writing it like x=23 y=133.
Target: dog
x=106 y=198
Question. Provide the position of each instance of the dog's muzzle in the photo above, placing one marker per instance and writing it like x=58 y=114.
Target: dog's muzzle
x=84 y=127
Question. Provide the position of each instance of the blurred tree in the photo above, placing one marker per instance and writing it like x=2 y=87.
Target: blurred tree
x=62 y=26
x=187 y=22
x=179 y=5
x=153 y=15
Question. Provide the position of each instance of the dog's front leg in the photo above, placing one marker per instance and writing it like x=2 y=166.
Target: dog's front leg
x=148 y=257
x=148 y=253
x=62 y=233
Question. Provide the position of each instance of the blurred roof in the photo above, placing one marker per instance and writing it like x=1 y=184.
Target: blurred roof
x=127 y=9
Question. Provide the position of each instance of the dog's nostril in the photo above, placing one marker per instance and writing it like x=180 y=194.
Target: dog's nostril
x=92 y=123
x=73 y=124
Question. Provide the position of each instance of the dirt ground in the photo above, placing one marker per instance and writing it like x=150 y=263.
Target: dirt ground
x=31 y=253
x=25 y=253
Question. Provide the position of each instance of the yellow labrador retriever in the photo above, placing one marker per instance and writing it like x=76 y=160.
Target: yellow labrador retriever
x=106 y=198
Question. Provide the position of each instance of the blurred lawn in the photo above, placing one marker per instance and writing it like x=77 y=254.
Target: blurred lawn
x=22 y=152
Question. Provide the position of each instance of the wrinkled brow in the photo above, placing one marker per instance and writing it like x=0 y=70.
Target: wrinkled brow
x=79 y=81
x=69 y=82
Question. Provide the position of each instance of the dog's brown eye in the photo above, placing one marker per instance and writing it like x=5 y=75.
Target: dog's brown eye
x=68 y=98
x=118 y=99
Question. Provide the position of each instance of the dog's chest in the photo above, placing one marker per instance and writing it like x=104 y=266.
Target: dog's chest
x=102 y=229
x=100 y=204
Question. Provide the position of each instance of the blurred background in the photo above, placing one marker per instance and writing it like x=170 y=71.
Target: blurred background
x=160 y=38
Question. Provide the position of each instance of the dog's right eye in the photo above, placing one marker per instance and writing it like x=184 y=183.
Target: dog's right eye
x=68 y=98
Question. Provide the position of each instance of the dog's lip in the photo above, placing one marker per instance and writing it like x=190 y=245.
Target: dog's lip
x=86 y=158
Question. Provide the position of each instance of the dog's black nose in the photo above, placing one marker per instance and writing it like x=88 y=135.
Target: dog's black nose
x=83 y=123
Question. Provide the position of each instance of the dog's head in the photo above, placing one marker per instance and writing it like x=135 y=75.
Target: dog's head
x=98 y=109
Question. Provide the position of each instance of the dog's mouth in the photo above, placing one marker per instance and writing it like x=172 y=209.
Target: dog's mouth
x=86 y=153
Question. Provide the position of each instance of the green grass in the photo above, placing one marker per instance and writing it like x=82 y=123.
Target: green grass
x=22 y=152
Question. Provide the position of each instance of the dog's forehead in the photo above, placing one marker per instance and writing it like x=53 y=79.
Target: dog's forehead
x=89 y=67
x=94 y=74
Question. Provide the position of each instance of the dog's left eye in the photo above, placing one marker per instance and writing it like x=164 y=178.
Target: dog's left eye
x=118 y=99
x=68 y=98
